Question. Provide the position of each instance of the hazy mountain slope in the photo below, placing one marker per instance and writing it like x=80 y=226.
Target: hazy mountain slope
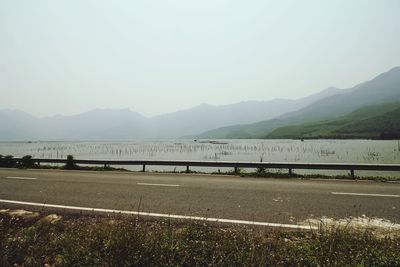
x=205 y=117
x=96 y=124
x=16 y=124
x=383 y=88
x=247 y=131
x=125 y=124
x=366 y=122
x=330 y=91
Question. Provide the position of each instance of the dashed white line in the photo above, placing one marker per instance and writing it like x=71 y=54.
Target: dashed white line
x=20 y=178
x=170 y=185
x=161 y=215
x=364 y=194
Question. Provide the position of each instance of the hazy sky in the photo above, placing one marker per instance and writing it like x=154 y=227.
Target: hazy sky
x=67 y=57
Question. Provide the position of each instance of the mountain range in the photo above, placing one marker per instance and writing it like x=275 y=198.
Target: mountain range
x=249 y=119
x=382 y=89
x=116 y=124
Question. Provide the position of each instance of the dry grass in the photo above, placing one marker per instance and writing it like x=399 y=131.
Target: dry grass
x=132 y=241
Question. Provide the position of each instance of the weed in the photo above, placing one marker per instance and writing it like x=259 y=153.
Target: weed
x=130 y=241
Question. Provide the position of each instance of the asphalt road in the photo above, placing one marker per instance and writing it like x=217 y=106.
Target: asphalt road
x=288 y=201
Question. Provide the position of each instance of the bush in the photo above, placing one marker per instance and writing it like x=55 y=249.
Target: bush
x=27 y=162
x=70 y=165
x=7 y=162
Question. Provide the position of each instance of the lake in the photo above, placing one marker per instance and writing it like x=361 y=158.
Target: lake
x=327 y=151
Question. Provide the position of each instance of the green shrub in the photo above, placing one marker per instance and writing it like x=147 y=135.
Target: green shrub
x=70 y=165
x=27 y=162
x=7 y=161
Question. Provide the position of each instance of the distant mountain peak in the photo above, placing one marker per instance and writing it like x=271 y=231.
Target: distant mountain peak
x=397 y=68
x=16 y=112
x=112 y=109
x=204 y=105
x=331 y=88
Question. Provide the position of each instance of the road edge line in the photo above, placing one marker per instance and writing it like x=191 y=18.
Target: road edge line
x=161 y=215
x=363 y=194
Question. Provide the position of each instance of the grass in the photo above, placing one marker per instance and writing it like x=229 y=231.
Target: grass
x=132 y=241
x=81 y=168
x=267 y=174
x=317 y=176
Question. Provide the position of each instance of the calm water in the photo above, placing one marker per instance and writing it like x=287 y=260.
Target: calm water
x=348 y=151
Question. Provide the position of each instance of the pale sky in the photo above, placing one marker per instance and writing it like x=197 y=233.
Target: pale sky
x=71 y=56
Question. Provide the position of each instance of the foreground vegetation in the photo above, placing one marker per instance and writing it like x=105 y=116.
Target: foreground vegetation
x=37 y=239
x=27 y=162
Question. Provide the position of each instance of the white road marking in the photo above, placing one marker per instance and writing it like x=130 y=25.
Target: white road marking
x=171 y=185
x=362 y=194
x=20 y=178
x=161 y=215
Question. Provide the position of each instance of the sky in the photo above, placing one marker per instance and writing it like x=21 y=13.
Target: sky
x=158 y=56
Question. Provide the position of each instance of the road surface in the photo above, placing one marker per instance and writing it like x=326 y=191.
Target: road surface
x=284 y=201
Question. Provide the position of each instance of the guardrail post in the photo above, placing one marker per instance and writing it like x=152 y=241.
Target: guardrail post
x=187 y=169
x=290 y=171
x=144 y=168
x=236 y=170
x=105 y=165
x=352 y=173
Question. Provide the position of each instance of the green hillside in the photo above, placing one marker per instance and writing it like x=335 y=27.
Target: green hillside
x=378 y=122
x=382 y=89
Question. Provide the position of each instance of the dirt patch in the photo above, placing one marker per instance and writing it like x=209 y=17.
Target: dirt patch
x=376 y=225
x=24 y=214
x=52 y=218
